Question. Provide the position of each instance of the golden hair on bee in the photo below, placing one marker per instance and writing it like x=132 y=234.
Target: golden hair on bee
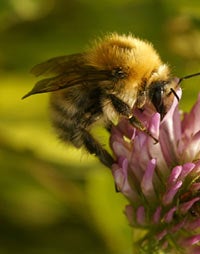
x=116 y=74
x=127 y=51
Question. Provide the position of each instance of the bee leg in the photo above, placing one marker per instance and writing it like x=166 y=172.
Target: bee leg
x=109 y=126
x=120 y=106
x=94 y=147
x=137 y=124
x=124 y=109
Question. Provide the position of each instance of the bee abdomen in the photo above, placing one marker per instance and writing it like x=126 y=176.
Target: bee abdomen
x=64 y=121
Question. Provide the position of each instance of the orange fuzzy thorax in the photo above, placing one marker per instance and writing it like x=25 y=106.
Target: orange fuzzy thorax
x=136 y=57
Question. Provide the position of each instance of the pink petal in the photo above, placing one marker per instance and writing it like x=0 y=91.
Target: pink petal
x=194 y=250
x=192 y=225
x=140 y=215
x=186 y=169
x=165 y=245
x=169 y=216
x=176 y=171
x=191 y=240
x=195 y=187
x=162 y=234
x=170 y=131
x=162 y=167
x=174 y=105
x=125 y=128
x=178 y=226
x=193 y=148
x=183 y=208
x=191 y=121
x=140 y=140
x=154 y=125
x=157 y=215
x=118 y=176
x=137 y=162
x=130 y=214
x=121 y=180
x=147 y=180
x=120 y=149
x=120 y=173
x=116 y=136
x=169 y=195
x=196 y=170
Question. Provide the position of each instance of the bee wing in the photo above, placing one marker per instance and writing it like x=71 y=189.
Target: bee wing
x=58 y=65
x=69 y=71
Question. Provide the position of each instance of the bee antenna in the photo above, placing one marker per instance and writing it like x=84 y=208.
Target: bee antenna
x=175 y=94
x=189 y=76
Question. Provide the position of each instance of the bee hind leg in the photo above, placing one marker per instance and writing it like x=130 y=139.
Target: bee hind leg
x=94 y=147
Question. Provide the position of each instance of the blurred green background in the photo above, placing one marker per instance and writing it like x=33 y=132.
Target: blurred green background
x=53 y=198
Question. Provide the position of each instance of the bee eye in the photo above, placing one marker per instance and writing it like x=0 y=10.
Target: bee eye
x=157 y=96
x=119 y=73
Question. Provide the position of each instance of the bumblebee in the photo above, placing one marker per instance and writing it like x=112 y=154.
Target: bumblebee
x=116 y=74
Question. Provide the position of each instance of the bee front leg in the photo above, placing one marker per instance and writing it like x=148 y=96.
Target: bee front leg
x=137 y=124
x=94 y=147
x=124 y=109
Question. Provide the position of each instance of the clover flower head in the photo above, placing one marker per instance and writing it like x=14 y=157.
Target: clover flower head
x=161 y=181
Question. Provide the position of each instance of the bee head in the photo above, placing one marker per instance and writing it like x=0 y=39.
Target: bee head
x=161 y=94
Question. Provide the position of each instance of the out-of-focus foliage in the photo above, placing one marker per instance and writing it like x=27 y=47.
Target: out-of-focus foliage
x=55 y=199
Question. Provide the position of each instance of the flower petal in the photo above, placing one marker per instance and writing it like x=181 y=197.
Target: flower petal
x=169 y=195
x=176 y=171
x=186 y=169
x=177 y=226
x=162 y=234
x=194 y=250
x=193 y=147
x=154 y=125
x=183 y=208
x=162 y=167
x=147 y=180
x=157 y=215
x=130 y=214
x=140 y=215
x=170 y=132
x=192 y=225
x=191 y=240
x=126 y=129
x=195 y=187
x=120 y=149
x=169 y=215
x=191 y=121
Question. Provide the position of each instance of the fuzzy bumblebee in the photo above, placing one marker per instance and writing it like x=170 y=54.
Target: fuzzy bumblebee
x=118 y=73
